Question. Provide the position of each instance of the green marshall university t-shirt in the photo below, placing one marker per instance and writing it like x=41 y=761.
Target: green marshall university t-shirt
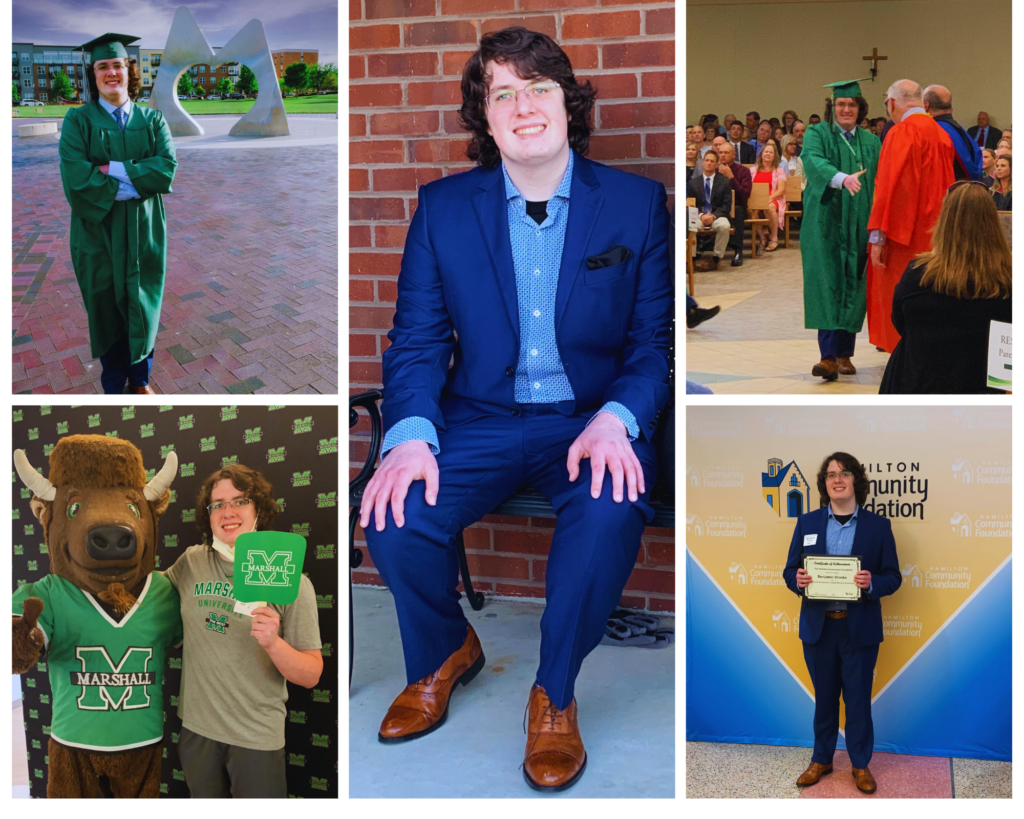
x=231 y=691
x=106 y=676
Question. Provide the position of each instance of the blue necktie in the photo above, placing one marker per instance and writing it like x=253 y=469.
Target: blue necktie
x=707 y=194
x=121 y=119
x=848 y=135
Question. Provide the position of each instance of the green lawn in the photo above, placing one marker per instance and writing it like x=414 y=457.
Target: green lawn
x=318 y=104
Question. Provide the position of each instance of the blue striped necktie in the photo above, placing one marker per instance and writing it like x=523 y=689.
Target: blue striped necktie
x=121 y=119
x=707 y=194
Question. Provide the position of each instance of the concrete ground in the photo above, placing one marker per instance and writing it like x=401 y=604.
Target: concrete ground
x=724 y=770
x=251 y=294
x=758 y=343
x=626 y=700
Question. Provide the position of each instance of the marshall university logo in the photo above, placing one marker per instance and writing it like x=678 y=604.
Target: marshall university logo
x=272 y=571
x=217 y=622
x=146 y=431
x=105 y=685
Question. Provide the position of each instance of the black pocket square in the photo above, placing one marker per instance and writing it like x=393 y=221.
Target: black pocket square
x=609 y=258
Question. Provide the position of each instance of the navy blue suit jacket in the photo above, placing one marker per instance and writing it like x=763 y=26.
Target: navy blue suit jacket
x=457 y=295
x=874 y=543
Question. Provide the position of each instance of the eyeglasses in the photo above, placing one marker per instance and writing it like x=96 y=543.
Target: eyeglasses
x=220 y=506
x=506 y=98
x=844 y=475
x=956 y=185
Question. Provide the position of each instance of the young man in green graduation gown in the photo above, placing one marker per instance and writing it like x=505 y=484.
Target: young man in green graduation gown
x=840 y=161
x=116 y=161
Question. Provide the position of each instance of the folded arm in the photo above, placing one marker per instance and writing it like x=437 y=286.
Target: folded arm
x=153 y=175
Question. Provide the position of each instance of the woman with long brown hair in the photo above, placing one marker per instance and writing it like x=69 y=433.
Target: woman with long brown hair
x=1002 y=188
x=948 y=298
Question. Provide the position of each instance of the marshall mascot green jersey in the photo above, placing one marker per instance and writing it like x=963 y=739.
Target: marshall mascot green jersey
x=106 y=676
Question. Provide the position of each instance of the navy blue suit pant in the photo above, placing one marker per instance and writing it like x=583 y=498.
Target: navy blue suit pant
x=836 y=343
x=593 y=551
x=118 y=368
x=837 y=667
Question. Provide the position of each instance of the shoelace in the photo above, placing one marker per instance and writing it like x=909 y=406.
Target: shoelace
x=551 y=714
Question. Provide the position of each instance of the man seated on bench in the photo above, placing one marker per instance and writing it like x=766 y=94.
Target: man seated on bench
x=547 y=275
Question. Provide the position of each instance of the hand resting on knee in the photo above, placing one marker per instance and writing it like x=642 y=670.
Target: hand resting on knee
x=606 y=443
x=408 y=462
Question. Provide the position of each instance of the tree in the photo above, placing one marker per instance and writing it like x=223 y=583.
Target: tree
x=185 y=86
x=61 y=86
x=320 y=76
x=15 y=91
x=247 y=83
x=224 y=86
x=200 y=91
x=296 y=76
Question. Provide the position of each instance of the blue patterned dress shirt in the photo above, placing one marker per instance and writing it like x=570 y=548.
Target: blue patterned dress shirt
x=125 y=188
x=537 y=257
x=839 y=541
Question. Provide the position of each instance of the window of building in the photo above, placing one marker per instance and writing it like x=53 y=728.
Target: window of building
x=26 y=83
x=26 y=57
x=145 y=70
x=145 y=58
x=793 y=481
x=42 y=96
x=202 y=69
x=42 y=82
x=41 y=71
x=26 y=70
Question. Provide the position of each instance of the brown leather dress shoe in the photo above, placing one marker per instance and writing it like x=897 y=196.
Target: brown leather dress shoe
x=827 y=369
x=555 y=757
x=865 y=781
x=814 y=772
x=145 y=389
x=846 y=367
x=423 y=706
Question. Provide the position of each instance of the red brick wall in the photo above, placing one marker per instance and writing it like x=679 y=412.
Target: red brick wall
x=405 y=65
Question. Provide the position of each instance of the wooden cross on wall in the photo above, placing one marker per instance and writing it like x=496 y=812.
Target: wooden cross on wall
x=874 y=62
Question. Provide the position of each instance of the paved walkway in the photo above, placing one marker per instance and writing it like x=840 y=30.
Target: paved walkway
x=758 y=343
x=770 y=772
x=251 y=300
x=626 y=700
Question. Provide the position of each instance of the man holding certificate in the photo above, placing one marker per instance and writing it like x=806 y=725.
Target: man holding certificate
x=841 y=562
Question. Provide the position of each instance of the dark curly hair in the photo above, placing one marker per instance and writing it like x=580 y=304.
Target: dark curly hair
x=532 y=56
x=134 y=81
x=860 y=477
x=246 y=480
x=862 y=109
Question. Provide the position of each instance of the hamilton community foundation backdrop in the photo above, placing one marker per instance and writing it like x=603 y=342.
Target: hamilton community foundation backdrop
x=296 y=448
x=943 y=476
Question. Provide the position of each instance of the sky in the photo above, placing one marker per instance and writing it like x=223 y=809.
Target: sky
x=298 y=24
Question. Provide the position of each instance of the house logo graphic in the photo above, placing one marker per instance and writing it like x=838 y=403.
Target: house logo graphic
x=694 y=526
x=961 y=524
x=785 y=487
x=738 y=573
x=781 y=622
x=693 y=476
x=963 y=472
x=911 y=576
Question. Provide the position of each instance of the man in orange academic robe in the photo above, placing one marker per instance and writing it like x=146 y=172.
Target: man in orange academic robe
x=914 y=172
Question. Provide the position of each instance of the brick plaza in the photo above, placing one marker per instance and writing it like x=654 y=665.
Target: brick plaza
x=251 y=297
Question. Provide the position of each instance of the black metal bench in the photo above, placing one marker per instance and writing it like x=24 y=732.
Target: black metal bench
x=527 y=502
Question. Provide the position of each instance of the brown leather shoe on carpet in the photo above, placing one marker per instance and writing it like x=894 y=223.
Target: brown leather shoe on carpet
x=423 y=706
x=827 y=369
x=704 y=265
x=813 y=773
x=865 y=781
x=555 y=757
x=846 y=367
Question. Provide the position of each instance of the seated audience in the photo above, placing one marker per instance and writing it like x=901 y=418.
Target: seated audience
x=799 y=129
x=710 y=132
x=753 y=121
x=768 y=169
x=764 y=133
x=1003 y=148
x=791 y=164
x=1008 y=136
x=728 y=121
x=1002 y=190
x=943 y=305
x=789 y=119
x=692 y=153
x=778 y=132
x=713 y=194
x=983 y=133
x=988 y=167
x=813 y=119
x=745 y=154
x=741 y=180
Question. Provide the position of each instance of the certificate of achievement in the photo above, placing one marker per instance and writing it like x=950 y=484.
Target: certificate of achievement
x=832 y=577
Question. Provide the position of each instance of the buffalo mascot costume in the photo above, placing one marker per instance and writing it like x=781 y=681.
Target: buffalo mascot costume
x=103 y=617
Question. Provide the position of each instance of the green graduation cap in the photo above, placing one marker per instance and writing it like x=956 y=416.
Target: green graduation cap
x=845 y=88
x=268 y=567
x=109 y=46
